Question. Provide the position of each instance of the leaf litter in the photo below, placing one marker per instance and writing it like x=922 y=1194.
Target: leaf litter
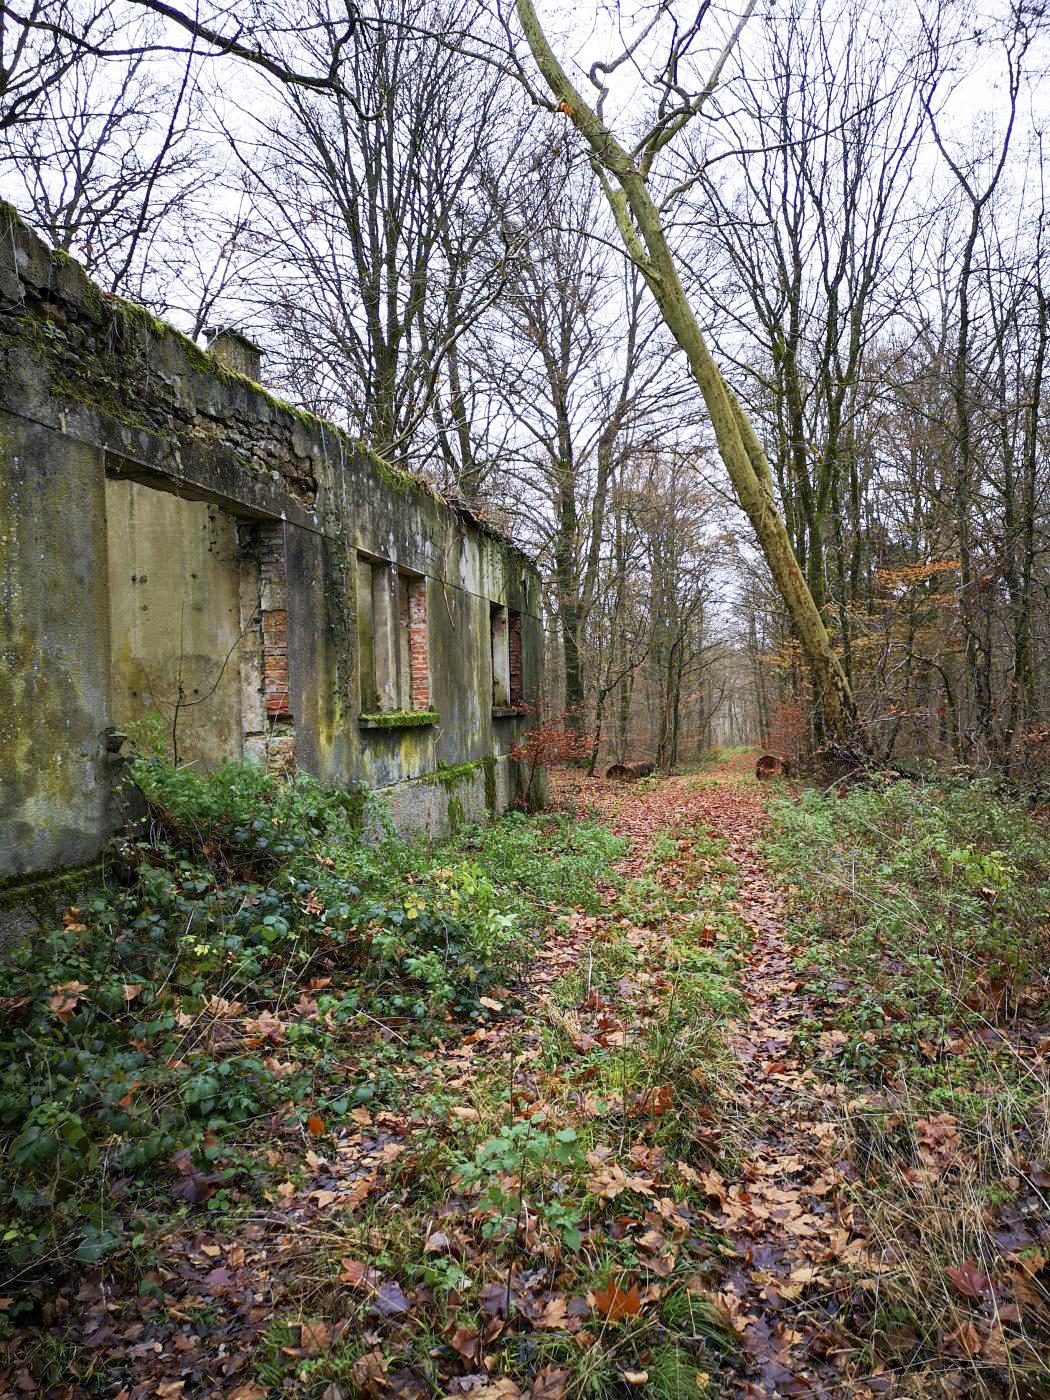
x=747 y=1220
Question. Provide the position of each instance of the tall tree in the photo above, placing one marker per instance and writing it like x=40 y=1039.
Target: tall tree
x=583 y=379
x=381 y=201
x=626 y=174
x=810 y=207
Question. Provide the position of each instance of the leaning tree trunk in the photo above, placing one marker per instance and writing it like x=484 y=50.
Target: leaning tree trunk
x=641 y=228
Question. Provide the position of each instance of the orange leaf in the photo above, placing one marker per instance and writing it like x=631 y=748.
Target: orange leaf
x=661 y=1099
x=550 y=1384
x=969 y=1280
x=614 y=1304
x=465 y=1341
x=355 y=1272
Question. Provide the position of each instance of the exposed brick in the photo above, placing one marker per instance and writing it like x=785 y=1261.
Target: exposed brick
x=418 y=645
x=272 y=598
x=280 y=753
x=517 y=684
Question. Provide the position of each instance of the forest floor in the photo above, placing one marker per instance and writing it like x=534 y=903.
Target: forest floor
x=699 y=1149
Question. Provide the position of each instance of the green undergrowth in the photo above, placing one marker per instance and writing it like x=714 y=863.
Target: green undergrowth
x=919 y=922
x=566 y=1172
x=920 y=915
x=251 y=967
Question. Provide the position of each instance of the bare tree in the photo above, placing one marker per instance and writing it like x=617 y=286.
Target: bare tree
x=387 y=235
x=584 y=382
x=810 y=207
x=627 y=174
x=96 y=173
x=41 y=43
x=42 y=40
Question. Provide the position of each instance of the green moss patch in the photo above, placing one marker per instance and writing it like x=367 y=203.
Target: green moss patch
x=399 y=719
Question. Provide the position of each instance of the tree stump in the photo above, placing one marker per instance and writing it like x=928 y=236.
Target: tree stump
x=770 y=765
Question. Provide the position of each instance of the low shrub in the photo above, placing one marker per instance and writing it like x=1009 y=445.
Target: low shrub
x=919 y=923
x=935 y=902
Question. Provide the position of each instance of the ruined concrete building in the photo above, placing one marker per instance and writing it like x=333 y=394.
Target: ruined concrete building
x=176 y=542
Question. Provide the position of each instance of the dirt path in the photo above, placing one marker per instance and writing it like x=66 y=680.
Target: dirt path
x=782 y=1206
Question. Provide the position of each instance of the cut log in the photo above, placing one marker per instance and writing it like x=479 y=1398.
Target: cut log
x=629 y=772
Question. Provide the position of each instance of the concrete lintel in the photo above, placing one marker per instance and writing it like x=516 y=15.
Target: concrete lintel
x=236 y=491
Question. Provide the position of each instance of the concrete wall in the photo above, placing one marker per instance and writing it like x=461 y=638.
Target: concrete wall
x=160 y=513
x=174 y=576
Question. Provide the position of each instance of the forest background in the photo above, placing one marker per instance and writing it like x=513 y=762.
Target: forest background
x=408 y=222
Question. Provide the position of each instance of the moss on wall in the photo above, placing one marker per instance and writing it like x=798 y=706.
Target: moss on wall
x=398 y=719
x=453 y=777
x=489 y=765
x=111 y=391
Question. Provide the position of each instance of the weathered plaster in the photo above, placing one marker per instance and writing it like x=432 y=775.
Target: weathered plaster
x=175 y=617
x=95 y=394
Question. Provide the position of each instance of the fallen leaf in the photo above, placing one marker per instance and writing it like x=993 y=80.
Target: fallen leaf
x=614 y=1304
x=554 y=1317
x=466 y=1341
x=550 y=1384
x=315 y=1338
x=968 y=1279
x=390 y=1300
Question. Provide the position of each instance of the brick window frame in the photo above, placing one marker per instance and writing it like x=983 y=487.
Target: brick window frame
x=273 y=605
x=415 y=686
x=517 y=673
x=268 y=736
x=508 y=679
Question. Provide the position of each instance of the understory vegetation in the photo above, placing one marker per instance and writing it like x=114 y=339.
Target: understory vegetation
x=231 y=1070
x=595 y=1102
x=246 y=942
x=919 y=931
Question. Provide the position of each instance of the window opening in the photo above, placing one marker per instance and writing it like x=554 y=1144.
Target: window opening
x=393 y=642
x=500 y=658
x=517 y=681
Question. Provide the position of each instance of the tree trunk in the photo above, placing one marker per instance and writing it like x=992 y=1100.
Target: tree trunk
x=640 y=225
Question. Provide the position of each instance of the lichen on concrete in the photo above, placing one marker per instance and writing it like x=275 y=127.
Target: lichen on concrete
x=96 y=390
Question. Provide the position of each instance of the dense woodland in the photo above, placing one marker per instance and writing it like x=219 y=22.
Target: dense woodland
x=408 y=219
x=735 y=316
